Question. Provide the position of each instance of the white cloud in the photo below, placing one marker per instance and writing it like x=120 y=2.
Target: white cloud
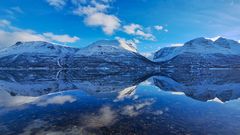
x=78 y=2
x=88 y=10
x=144 y=104
x=57 y=3
x=94 y=14
x=145 y=35
x=158 y=27
x=62 y=99
x=109 y=23
x=10 y=38
x=13 y=11
x=105 y=117
x=17 y=9
x=132 y=28
x=4 y=23
x=137 y=30
x=6 y=100
x=106 y=1
x=166 y=30
x=129 y=110
x=10 y=34
x=61 y=38
x=135 y=109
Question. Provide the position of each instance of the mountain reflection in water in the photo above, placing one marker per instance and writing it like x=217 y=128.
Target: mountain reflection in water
x=72 y=102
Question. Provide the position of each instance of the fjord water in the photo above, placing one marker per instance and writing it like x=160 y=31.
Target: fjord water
x=173 y=102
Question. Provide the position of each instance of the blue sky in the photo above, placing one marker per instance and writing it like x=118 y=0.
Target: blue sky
x=150 y=24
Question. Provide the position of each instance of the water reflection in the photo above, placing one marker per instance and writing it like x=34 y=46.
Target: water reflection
x=69 y=102
x=203 y=84
x=37 y=83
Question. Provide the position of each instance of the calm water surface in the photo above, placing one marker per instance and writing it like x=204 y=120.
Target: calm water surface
x=199 y=102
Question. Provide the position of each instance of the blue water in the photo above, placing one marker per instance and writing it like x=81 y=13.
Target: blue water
x=196 y=103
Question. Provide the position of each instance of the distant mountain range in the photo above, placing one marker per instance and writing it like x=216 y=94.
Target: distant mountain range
x=104 y=55
x=201 y=53
x=112 y=56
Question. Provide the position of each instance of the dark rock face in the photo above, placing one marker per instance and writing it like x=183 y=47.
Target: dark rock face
x=201 y=53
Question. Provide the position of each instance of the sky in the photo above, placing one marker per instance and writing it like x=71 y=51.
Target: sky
x=148 y=24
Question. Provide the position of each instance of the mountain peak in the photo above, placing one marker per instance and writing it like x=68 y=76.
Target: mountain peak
x=200 y=40
x=114 y=43
x=226 y=43
x=38 y=47
x=225 y=40
x=201 y=46
x=105 y=43
x=35 y=45
x=220 y=38
x=31 y=43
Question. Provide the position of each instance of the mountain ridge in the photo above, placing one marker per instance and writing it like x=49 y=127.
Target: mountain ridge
x=201 y=52
x=101 y=55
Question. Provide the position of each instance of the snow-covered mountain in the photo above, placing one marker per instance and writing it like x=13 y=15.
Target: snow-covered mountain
x=201 y=52
x=203 y=85
x=101 y=55
x=113 y=43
